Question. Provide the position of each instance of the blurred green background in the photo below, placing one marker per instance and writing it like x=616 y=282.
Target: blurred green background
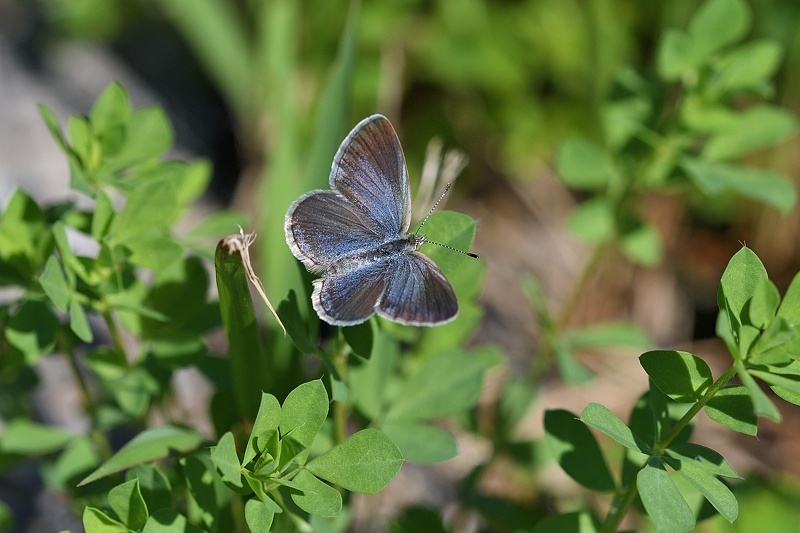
x=264 y=89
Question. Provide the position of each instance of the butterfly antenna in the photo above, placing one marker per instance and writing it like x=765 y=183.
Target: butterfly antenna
x=424 y=220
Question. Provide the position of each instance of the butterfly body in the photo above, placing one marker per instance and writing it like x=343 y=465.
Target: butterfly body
x=356 y=236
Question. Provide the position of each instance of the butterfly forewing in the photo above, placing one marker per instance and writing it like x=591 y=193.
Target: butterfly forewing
x=324 y=226
x=370 y=170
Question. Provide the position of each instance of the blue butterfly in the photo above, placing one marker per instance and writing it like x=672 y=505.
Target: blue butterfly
x=356 y=236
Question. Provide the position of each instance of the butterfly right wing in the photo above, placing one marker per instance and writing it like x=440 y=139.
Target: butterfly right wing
x=323 y=226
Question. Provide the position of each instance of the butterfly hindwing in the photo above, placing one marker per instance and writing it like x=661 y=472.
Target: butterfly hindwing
x=417 y=292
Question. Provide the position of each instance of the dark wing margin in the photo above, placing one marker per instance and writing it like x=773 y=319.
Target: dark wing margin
x=417 y=292
x=369 y=169
x=323 y=226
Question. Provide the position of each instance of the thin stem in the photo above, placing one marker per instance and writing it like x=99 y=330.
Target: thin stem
x=340 y=409
x=86 y=397
x=113 y=330
x=574 y=297
x=619 y=508
x=691 y=413
x=97 y=436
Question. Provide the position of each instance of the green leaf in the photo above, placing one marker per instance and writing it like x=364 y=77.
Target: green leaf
x=314 y=496
x=740 y=279
x=576 y=450
x=421 y=443
x=754 y=129
x=369 y=381
x=29 y=438
x=79 y=457
x=761 y=185
x=361 y=337
x=680 y=375
x=702 y=457
x=718 y=23
x=127 y=502
x=257 y=515
x=732 y=408
x=25 y=239
x=786 y=395
x=790 y=307
x=715 y=491
x=169 y=521
x=571 y=370
x=148 y=135
x=602 y=419
x=593 y=221
x=364 y=462
x=456 y=230
x=51 y=122
x=154 y=485
x=674 y=55
x=624 y=118
x=103 y=215
x=290 y=315
x=748 y=66
x=662 y=499
x=54 y=284
x=584 y=165
x=607 y=335
x=32 y=330
x=789 y=383
x=446 y=384
x=762 y=405
x=78 y=322
x=96 y=521
x=764 y=303
x=151 y=208
x=83 y=142
x=226 y=460
x=303 y=412
x=264 y=426
x=149 y=445
x=72 y=264
x=109 y=117
x=777 y=335
x=641 y=243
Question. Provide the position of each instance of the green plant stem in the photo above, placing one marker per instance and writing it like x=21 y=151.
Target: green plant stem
x=113 y=330
x=574 y=297
x=340 y=409
x=97 y=436
x=546 y=353
x=86 y=397
x=691 y=413
x=618 y=510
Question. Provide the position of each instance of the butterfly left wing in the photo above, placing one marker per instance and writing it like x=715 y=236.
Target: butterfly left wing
x=369 y=169
x=417 y=292
x=321 y=227
x=349 y=298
